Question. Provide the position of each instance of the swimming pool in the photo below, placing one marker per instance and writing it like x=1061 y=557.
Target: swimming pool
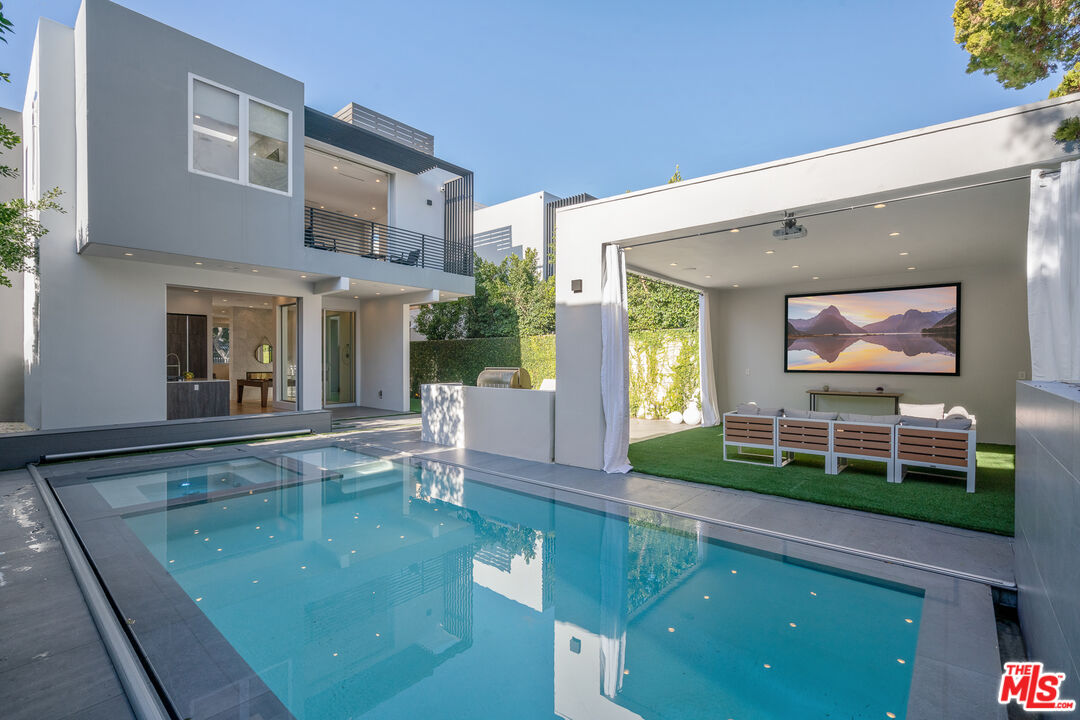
x=329 y=583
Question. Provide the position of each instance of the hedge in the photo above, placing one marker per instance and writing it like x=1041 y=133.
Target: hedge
x=663 y=365
x=462 y=360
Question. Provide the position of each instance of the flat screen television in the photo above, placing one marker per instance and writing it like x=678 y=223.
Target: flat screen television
x=908 y=330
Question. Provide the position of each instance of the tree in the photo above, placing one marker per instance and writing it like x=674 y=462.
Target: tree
x=677 y=177
x=510 y=300
x=656 y=305
x=1020 y=42
x=20 y=229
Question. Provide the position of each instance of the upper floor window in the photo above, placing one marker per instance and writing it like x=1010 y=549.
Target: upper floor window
x=239 y=138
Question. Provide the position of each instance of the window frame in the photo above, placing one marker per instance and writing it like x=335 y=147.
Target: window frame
x=242 y=140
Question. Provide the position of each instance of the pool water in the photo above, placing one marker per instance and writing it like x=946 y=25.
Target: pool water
x=389 y=590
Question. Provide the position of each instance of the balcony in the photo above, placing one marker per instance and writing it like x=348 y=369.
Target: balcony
x=335 y=232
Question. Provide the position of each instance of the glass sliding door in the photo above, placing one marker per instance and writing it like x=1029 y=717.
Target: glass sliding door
x=287 y=355
x=339 y=369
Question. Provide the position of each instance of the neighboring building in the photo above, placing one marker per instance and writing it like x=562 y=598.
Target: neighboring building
x=524 y=223
x=11 y=322
x=218 y=226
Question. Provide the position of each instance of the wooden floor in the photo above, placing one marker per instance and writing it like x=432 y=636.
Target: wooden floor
x=252 y=407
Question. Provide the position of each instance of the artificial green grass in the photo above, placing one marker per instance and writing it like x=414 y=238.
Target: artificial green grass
x=697 y=455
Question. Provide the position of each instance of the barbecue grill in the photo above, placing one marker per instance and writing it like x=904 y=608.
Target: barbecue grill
x=504 y=377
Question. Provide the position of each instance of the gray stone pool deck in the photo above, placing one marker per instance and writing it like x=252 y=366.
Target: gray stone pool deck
x=956 y=669
x=52 y=661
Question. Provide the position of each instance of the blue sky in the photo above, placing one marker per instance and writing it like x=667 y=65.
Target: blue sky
x=598 y=97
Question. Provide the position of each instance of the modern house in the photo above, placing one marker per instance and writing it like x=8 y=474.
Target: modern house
x=525 y=223
x=218 y=228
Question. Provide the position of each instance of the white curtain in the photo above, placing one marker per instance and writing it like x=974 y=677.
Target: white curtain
x=709 y=416
x=1053 y=268
x=614 y=548
x=615 y=361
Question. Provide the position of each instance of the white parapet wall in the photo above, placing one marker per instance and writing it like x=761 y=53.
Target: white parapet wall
x=503 y=421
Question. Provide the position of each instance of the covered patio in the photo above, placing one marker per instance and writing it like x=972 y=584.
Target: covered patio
x=942 y=206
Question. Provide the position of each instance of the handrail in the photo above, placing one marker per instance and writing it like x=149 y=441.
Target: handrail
x=328 y=230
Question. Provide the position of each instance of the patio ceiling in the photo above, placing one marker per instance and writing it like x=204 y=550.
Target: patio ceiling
x=980 y=225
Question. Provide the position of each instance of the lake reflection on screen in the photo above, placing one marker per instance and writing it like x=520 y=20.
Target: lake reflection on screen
x=909 y=352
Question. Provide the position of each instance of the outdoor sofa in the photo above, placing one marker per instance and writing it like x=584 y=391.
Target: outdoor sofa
x=921 y=439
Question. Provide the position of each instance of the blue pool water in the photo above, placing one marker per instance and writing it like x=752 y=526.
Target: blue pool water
x=393 y=591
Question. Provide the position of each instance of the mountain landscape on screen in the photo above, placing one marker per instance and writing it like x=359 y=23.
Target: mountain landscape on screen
x=900 y=331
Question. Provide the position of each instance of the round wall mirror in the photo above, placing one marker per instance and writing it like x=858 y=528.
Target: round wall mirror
x=264 y=353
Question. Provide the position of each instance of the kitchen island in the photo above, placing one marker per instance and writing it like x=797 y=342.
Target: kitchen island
x=196 y=398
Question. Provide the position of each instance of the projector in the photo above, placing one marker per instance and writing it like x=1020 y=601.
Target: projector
x=790 y=230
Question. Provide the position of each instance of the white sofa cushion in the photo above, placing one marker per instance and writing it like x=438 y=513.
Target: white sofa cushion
x=746 y=409
x=916 y=421
x=935 y=411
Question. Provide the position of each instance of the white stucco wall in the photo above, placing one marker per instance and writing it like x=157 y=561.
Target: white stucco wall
x=748 y=344
x=384 y=350
x=11 y=298
x=525 y=217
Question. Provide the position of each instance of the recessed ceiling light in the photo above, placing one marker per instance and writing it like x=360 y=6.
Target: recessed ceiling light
x=903 y=253
x=198 y=263
x=734 y=229
x=322 y=207
x=128 y=254
x=266 y=303
x=401 y=289
x=198 y=117
x=708 y=276
x=194 y=291
x=356 y=214
x=815 y=278
x=378 y=180
x=251 y=306
x=303 y=276
x=769 y=252
x=794 y=267
x=735 y=285
x=254 y=270
x=355 y=297
x=911 y=268
x=372 y=207
x=673 y=264
x=335 y=167
x=224 y=299
x=893 y=234
x=879 y=206
x=378 y=293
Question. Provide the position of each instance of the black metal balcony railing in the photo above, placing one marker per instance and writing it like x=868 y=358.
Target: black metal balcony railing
x=326 y=230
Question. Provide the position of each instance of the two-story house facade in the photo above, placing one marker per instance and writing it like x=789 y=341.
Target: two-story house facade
x=217 y=229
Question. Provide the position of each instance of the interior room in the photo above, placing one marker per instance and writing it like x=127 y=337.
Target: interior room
x=974 y=237
x=230 y=353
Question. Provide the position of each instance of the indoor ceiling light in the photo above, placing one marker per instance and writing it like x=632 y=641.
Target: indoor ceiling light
x=355 y=297
x=194 y=291
x=769 y=252
x=198 y=117
x=254 y=270
x=735 y=285
x=198 y=263
x=673 y=264
x=734 y=229
x=378 y=180
x=893 y=234
x=911 y=268
x=879 y=206
x=335 y=167
x=903 y=253
x=794 y=267
x=214 y=133
x=815 y=278
x=372 y=207
x=709 y=276
x=129 y=254
x=303 y=276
